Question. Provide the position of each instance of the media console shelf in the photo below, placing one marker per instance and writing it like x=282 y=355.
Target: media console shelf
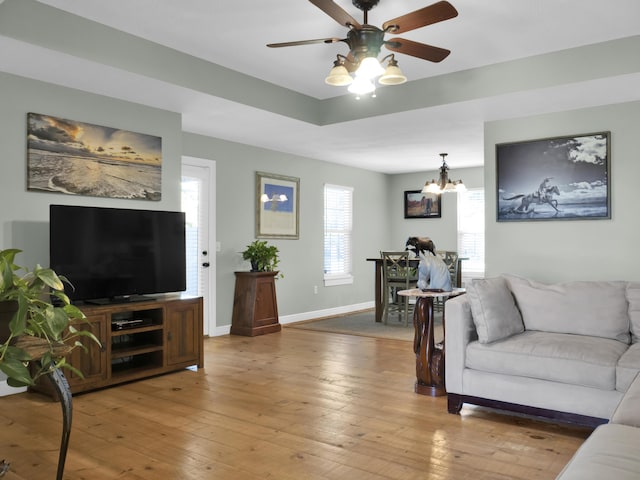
x=139 y=340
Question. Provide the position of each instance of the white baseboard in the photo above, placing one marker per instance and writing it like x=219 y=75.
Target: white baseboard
x=301 y=317
x=329 y=312
x=7 y=390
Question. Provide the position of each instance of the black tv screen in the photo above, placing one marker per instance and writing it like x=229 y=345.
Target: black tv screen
x=114 y=254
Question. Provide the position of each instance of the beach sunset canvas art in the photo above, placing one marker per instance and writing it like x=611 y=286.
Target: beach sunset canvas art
x=77 y=158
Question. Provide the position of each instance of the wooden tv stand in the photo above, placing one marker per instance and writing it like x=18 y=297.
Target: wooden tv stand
x=139 y=339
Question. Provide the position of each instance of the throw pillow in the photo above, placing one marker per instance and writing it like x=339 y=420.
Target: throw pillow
x=493 y=309
x=597 y=309
x=633 y=297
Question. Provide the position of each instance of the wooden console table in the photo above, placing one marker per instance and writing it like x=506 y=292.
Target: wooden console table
x=429 y=355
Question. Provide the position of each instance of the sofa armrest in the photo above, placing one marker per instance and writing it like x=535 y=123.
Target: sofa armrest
x=459 y=332
x=628 y=410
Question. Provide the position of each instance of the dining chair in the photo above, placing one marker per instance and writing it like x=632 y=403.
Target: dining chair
x=450 y=259
x=397 y=274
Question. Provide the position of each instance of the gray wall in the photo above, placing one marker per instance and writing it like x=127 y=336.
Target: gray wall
x=24 y=214
x=549 y=251
x=301 y=260
x=579 y=249
x=444 y=230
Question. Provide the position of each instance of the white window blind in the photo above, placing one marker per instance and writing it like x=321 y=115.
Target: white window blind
x=338 y=221
x=471 y=231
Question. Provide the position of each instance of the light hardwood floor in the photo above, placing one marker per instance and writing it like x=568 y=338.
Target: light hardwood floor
x=286 y=406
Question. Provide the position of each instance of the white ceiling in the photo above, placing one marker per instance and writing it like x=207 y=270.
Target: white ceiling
x=233 y=34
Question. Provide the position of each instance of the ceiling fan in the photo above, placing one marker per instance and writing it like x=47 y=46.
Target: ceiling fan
x=365 y=42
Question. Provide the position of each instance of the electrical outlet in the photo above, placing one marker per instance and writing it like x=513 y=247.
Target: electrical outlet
x=315 y=289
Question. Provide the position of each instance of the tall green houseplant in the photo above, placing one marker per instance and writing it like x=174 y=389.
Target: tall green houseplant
x=35 y=334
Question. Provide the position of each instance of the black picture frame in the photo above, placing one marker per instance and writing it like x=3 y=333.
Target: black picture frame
x=557 y=178
x=422 y=205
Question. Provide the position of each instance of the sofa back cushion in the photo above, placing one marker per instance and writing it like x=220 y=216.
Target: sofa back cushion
x=598 y=309
x=494 y=311
x=633 y=297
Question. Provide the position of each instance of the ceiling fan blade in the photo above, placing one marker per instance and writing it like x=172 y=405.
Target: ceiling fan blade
x=305 y=42
x=336 y=12
x=435 y=13
x=416 y=49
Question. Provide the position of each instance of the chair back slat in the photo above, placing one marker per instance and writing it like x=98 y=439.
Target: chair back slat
x=450 y=259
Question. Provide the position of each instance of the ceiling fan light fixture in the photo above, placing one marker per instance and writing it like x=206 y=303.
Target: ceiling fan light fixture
x=365 y=41
x=369 y=68
x=338 y=76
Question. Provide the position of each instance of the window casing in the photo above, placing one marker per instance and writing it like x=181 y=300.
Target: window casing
x=338 y=223
x=471 y=232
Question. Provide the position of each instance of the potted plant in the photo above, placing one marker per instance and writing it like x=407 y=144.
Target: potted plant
x=35 y=334
x=263 y=257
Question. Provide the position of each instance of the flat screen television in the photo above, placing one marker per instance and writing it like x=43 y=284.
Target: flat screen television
x=115 y=255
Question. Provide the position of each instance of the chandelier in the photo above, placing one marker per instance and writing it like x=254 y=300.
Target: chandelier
x=444 y=184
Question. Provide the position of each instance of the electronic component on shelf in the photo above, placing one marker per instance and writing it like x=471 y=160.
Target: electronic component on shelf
x=123 y=324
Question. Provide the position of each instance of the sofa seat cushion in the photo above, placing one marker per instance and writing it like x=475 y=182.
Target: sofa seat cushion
x=572 y=359
x=611 y=452
x=597 y=309
x=628 y=367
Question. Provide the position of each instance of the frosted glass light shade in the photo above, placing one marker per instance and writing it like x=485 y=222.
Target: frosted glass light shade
x=338 y=76
x=392 y=76
x=460 y=187
x=431 y=187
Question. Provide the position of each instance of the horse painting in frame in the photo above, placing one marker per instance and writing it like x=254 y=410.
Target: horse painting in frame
x=558 y=178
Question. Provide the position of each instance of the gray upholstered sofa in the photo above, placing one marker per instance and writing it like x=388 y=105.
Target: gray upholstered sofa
x=612 y=451
x=566 y=351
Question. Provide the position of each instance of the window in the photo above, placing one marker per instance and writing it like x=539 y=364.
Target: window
x=338 y=213
x=471 y=232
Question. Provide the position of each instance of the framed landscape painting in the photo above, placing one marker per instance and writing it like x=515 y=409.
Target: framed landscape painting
x=277 y=206
x=422 y=205
x=77 y=158
x=560 y=178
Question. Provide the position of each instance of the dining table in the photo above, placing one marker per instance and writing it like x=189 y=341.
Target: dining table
x=413 y=262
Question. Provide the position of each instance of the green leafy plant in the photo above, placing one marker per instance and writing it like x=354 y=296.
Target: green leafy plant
x=39 y=334
x=263 y=257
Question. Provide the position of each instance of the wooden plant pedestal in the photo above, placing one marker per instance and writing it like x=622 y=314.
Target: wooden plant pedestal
x=255 y=308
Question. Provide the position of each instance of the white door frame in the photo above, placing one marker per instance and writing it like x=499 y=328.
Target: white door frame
x=210 y=297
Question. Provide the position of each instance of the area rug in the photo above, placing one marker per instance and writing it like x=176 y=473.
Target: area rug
x=364 y=324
